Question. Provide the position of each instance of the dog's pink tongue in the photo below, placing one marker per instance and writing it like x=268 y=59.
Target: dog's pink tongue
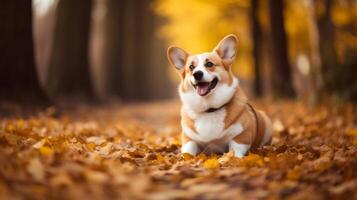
x=202 y=89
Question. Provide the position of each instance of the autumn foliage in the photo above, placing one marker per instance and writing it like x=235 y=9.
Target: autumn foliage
x=132 y=152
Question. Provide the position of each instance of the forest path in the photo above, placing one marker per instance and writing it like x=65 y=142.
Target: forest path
x=132 y=152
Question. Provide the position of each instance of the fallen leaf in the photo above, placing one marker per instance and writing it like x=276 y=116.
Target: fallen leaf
x=96 y=176
x=46 y=151
x=211 y=163
x=36 y=169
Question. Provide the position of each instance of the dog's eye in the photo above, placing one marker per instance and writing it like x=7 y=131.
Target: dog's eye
x=209 y=64
x=192 y=67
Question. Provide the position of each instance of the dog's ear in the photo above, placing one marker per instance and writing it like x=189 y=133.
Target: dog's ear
x=227 y=49
x=177 y=57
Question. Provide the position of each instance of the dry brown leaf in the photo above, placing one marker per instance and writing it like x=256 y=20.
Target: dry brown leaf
x=96 y=176
x=36 y=169
x=61 y=179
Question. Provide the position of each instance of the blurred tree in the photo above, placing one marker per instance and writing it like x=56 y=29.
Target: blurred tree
x=326 y=32
x=338 y=59
x=43 y=30
x=69 y=71
x=257 y=42
x=132 y=55
x=113 y=42
x=280 y=71
x=18 y=77
x=313 y=33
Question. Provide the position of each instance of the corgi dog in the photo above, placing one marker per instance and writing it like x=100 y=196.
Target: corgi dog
x=215 y=115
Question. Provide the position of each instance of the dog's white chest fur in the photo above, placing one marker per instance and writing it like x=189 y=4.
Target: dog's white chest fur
x=211 y=135
x=209 y=126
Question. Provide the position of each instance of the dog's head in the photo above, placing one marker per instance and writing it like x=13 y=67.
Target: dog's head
x=204 y=73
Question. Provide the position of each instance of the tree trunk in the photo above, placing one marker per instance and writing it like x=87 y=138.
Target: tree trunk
x=327 y=45
x=18 y=76
x=339 y=75
x=132 y=54
x=69 y=71
x=281 y=71
x=257 y=42
x=112 y=54
x=315 y=51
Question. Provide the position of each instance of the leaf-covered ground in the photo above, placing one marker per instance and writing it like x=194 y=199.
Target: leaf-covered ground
x=132 y=152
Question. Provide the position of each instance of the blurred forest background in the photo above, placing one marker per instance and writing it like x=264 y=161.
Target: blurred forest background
x=72 y=61
x=110 y=49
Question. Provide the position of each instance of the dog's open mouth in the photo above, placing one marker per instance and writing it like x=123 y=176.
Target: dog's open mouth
x=203 y=88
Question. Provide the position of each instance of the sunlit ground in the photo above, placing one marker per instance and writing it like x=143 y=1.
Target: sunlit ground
x=132 y=152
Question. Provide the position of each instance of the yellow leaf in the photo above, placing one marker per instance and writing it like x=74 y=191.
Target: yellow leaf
x=46 y=151
x=211 y=163
x=20 y=124
x=201 y=156
x=91 y=146
x=9 y=128
x=160 y=158
x=253 y=160
x=187 y=156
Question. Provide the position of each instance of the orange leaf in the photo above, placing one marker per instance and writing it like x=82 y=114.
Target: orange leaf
x=46 y=151
x=211 y=163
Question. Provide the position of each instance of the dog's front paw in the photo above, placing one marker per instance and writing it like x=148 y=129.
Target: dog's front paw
x=190 y=147
x=239 y=149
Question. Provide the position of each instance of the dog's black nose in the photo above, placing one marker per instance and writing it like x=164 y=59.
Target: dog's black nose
x=198 y=75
